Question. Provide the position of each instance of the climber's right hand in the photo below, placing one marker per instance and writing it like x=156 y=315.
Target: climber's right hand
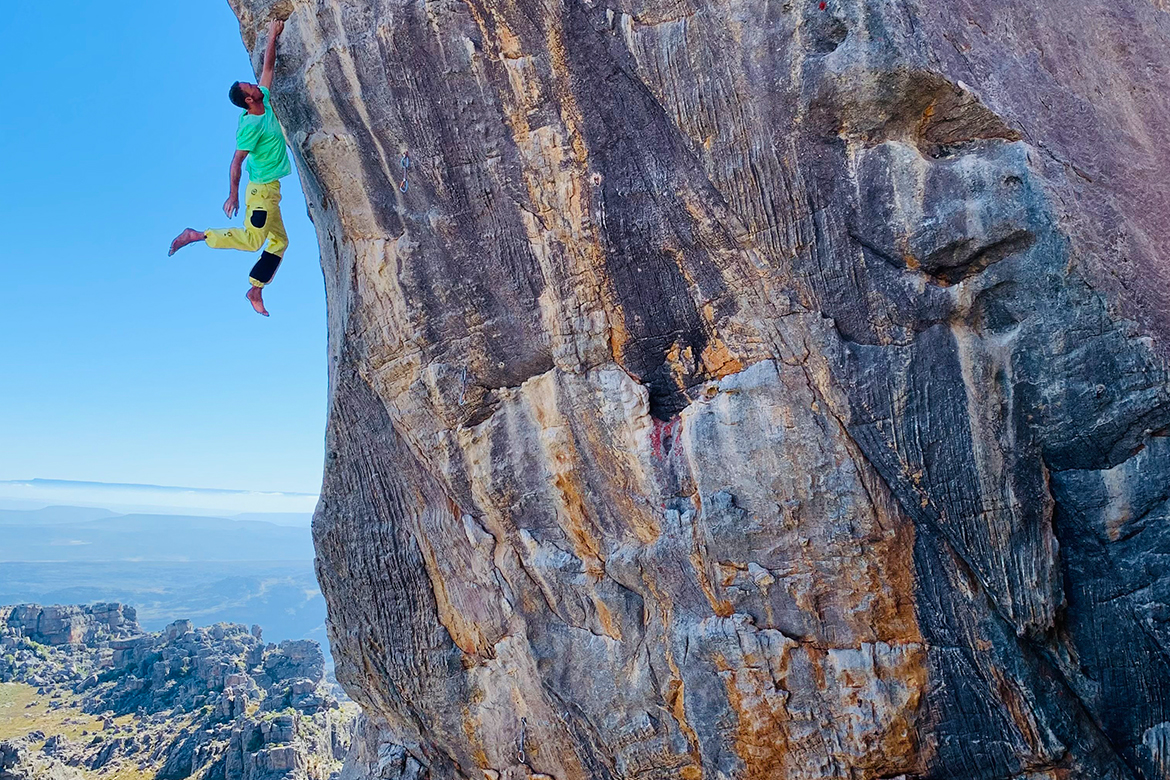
x=231 y=206
x=275 y=27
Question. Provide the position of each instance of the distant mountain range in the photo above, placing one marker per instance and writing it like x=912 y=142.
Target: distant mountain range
x=255 y=567
x=82 y=534
x=282 y=596
x=65 y=515
x=52 y=515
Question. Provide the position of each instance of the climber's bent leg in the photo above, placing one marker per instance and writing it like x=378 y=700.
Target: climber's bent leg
x=274 y=223
x=246 y=239
x=259 y=201
x=267 y=216
x=269 y=261
x=264 y=269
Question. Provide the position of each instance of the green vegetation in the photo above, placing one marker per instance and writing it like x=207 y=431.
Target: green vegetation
x=130 y=773
x=22 y=711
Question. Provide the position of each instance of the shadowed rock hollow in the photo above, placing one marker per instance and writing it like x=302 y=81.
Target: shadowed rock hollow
x=742 y=388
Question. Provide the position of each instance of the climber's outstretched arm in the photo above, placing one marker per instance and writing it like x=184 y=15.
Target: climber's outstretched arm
x=232 y=204
x=275 y=27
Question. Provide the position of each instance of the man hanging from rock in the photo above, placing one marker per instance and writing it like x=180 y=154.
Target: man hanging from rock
x=260 y=140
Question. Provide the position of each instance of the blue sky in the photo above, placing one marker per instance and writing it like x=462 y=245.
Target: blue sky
x=117 y=363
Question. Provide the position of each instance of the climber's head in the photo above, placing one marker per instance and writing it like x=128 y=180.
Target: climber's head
x=244 y=94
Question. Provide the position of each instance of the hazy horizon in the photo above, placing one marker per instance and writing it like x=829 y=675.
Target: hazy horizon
x=243 y=568
x=129 y=498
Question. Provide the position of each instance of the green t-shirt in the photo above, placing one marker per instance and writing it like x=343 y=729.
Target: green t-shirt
x=261 y=137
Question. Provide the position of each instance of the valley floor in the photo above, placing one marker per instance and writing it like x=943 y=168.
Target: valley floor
x=23 y=711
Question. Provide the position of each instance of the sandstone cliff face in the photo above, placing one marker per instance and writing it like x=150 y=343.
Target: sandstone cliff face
x=742 y=388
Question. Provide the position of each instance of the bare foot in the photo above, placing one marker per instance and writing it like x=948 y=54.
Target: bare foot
x=188 y=236
x=255 y=297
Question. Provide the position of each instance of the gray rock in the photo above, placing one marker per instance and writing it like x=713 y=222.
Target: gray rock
x=64 y=625
x=18 y=762
x=178 y=629
x=183 y=723
x=296 y=659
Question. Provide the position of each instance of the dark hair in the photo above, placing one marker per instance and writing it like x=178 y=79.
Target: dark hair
x=237 y=96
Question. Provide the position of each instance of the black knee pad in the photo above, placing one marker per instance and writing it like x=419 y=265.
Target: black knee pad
x=259 y=218
x=265 y=267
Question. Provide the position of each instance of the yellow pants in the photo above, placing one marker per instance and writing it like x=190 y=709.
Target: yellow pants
x=261 y=221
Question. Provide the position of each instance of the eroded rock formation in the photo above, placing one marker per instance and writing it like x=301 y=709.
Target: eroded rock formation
x=215 y=703
x=69 y=624
x=742 y=388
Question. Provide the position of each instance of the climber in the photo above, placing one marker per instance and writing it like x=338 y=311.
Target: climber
x=259 y=139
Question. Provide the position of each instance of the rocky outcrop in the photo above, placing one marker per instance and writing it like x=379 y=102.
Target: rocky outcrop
x=65 y=625
x=742 y=389
x=215 y=702
x=19 y=762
